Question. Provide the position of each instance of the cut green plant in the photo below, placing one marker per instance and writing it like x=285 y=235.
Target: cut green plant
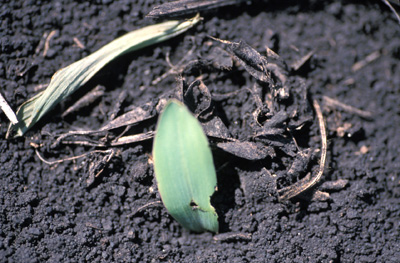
x=184 y=168
x=67 y=80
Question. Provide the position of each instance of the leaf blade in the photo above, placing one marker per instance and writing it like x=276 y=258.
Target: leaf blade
x=184 y=168
x=67 y=80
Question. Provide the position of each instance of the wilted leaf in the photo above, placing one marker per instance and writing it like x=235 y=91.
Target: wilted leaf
x=67 y=80
x=184 y=168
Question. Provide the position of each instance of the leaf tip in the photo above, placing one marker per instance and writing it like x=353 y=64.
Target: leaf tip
x=184 y=168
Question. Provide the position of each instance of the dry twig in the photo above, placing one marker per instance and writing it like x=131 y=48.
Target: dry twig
x=308 y=182
x=155 y=203
x=332 y=102
x=47 y=43
x=303 y=60
x=368 y=59
x=78 y=43
x=85 y=100
x=175 y=69
x=232 y=236
x=386 y=2
x=69 y=158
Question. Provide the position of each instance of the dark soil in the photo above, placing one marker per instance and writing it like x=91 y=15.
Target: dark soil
x=50 y=213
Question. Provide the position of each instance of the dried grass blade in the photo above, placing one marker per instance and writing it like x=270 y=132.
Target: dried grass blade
x=7 y=110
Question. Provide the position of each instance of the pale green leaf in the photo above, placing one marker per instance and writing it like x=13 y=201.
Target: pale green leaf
x=67 y=80
x=184 y=168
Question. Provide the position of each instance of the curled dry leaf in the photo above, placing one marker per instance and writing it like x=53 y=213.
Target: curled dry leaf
x=254 y=63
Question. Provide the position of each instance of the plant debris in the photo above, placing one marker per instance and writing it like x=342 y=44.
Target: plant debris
x=247 y=150
x=97 y=166
x=298 y=64
x=334 y=186
x=86 y=100
x=7 y=110
x=386 y=2
x=364 y=62
x=187 y=7
x=250 y=59
x=309 y=181
x=226 y=237
x=333 y=103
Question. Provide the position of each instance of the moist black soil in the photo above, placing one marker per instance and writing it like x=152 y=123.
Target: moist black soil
x=102 y=208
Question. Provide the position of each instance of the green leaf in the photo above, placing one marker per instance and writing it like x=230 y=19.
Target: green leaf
x=184 y=168
x=67 y=80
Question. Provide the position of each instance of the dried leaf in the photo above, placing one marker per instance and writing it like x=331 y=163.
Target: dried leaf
x=7 y=110
x=137 y=114
x=254 y=63
x=247 y=150
x=185 y=7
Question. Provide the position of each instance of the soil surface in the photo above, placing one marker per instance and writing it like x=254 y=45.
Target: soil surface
x=105 y=207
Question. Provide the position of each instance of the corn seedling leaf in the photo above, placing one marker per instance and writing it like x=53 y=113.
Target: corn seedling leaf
x=67 y=80
x=184 y=168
